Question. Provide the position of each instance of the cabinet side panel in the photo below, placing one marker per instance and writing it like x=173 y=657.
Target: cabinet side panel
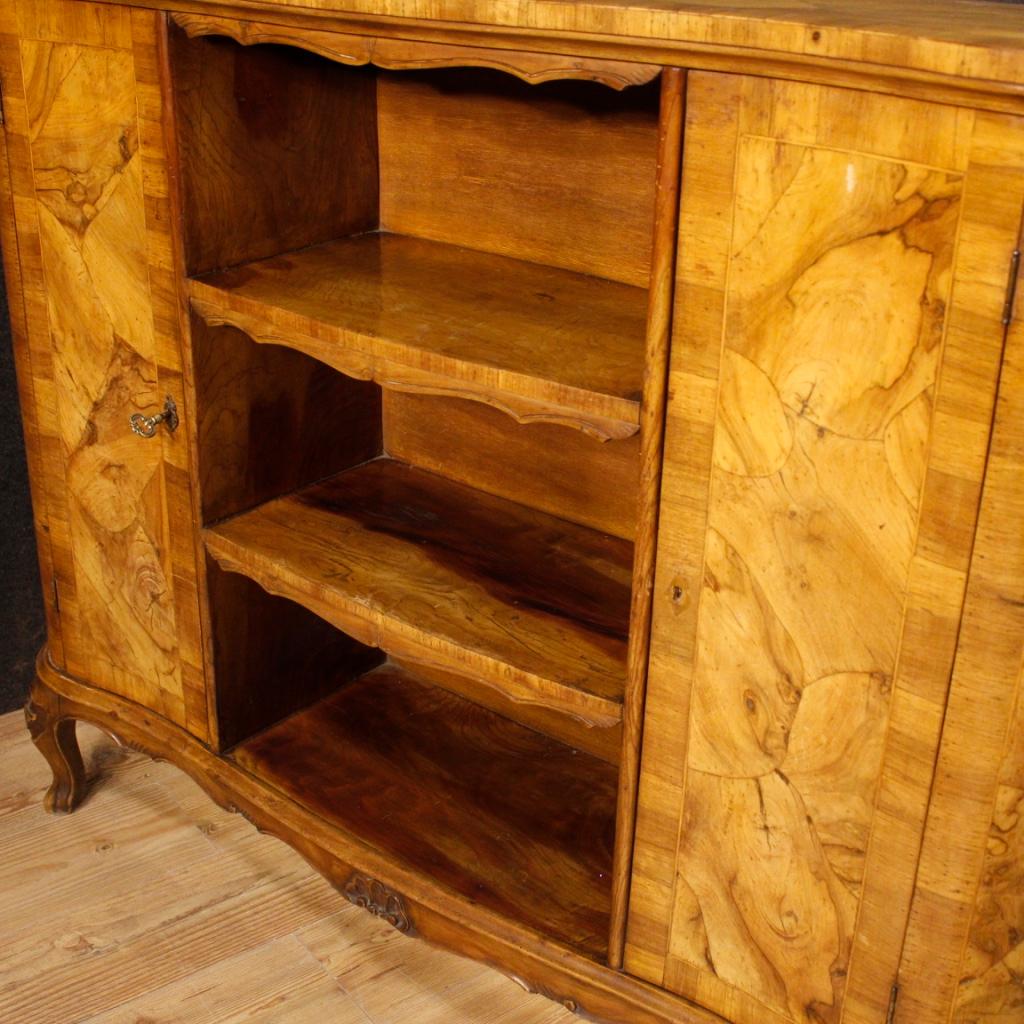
x=965 y=941
x=843 y=495
x=965 y=407
x=990 y=989
x=83 y=125
x=29 y=328
x=278 y=149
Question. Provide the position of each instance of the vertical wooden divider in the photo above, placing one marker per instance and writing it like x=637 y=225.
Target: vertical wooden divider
x=652 y=427
x=170 y=213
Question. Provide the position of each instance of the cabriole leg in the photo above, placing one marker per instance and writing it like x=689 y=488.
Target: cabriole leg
x=54 y=737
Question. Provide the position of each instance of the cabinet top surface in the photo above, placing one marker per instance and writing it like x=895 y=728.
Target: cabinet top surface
x=967 y=40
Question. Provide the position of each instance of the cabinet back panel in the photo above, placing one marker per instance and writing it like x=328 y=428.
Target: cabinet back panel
x=561 y=173
x=278 y=149
x=551 y=468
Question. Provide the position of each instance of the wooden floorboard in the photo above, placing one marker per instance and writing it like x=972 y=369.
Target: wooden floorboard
x=150 y=904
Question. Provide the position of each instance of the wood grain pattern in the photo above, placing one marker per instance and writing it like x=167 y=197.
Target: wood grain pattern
x=437 y=913
x=254 y=128
x=261 y=937
x=976 y=43
x=166 y=267
x=26 y=306
x=831 y=785
x=401 y=54
x=375 y=759
x=562 y=174
x=967 y=54
x=546 y=467
x=271 y=420
x=963 y=946
x=426 y=316
x=604 y=743
x=990 y=990
x=271 y=657
x=118 y=610
x=826 y=550
x=72 y=21
x=432 y=571
x=652 y=428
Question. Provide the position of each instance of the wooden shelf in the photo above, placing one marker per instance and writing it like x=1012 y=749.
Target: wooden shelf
x=516 y=822
x=447 y=576
x=539 y=342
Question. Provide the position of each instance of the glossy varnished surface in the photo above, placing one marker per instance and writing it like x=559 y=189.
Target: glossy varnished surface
x=497 y=812
x=109 y=349
x=965 y=942
x=815 y=531
x=968 y=50
x=434 y=571
x=303 y=955
x=442 y=318
x=271 y=420
x=971 y=42
x=432 y=910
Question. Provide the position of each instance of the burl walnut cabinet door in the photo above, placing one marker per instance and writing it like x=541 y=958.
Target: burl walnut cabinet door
x=841 y=283
x=86 y=160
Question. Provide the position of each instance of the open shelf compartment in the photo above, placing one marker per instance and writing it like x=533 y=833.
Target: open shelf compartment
x=439 y=573
x=454 y=231
x=417 y=314
x=404 y=286
x=495 y=812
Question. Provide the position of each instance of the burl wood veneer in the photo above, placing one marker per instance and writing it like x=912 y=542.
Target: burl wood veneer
x=558 y=466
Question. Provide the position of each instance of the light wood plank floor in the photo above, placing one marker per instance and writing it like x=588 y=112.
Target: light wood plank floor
x=150 y=905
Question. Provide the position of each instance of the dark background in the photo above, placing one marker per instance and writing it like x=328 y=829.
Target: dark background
x=21 y=609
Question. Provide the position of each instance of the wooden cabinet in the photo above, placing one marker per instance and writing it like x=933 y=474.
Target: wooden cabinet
x=102 y=346
x=592 y=530
x=833 y=379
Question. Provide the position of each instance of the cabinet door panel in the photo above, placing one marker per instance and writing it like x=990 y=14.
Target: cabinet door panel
x=117 y=570
x=836 y=346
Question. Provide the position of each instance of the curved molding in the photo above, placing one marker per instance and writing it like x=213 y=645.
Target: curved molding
x=432 y=910
x=398 y=377
x=405 y=55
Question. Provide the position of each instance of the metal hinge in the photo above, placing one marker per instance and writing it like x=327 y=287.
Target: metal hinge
x=1011 y=287
x=894 y=996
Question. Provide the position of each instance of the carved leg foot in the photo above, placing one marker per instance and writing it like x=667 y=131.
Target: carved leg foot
x=54 y=737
